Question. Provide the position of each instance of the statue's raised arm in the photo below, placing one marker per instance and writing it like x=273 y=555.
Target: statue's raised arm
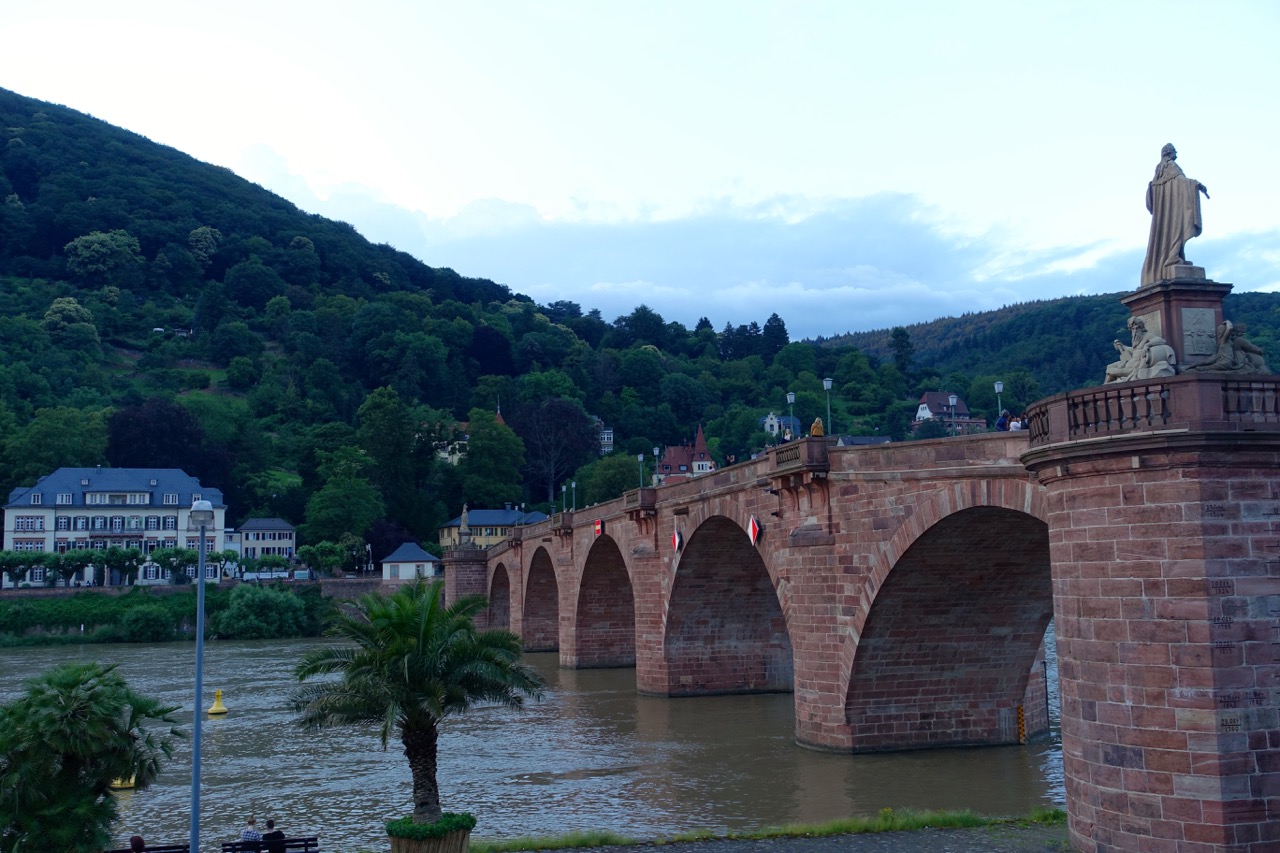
x=1174 y=202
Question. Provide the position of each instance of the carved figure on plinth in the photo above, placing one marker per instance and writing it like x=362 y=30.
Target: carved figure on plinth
x=1234 y=355
x=1174 y=202
x=1150 y=356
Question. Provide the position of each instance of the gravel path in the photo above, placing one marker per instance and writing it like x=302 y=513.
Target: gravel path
x=987 y=839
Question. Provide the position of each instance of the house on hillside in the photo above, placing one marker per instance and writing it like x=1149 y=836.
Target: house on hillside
x=486 y=526
x=951 y=409
x=409 y=562
x=95 y=508
x=263 y=537
x=778 y=425
x=684 y=461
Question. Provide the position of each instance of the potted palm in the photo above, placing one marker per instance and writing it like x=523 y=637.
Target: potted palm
x=414 y=662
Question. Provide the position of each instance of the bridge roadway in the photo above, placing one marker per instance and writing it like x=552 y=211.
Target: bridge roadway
x=902 y=592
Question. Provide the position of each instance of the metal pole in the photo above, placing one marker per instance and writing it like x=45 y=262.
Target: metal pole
x=640 y=459
x=199 y=708
x=826 y=386
x=575 y=495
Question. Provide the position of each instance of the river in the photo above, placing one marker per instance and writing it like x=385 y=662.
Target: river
x=592 y=755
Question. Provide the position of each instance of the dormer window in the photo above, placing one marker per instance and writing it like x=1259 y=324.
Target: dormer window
x=36 y=498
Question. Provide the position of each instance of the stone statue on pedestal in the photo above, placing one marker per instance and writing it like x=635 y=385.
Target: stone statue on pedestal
x=1150 y=357
x=1234 y=355
x=1174 y=202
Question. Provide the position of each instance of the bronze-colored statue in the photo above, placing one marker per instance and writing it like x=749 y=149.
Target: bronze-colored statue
x=1174 y=202
x=1234 y=355
x=1150 y=357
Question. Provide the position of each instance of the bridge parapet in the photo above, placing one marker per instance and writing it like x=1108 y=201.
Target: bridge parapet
x=1199 y=403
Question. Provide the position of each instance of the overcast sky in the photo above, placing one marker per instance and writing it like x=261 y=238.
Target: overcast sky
x=847 y=165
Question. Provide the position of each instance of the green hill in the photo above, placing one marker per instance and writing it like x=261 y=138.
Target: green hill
x=160 y=311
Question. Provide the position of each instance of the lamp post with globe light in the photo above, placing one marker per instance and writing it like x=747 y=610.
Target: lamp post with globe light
x=999 y=405
x=200 y=517
x=826 y=386
x=640 y=459
x=952 y=400
x=791 y=410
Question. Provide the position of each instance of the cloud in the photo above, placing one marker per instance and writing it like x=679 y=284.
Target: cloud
x=826 y=266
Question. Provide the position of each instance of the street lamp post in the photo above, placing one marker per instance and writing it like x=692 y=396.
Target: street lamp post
x=640 y=459
x=563 y=503
x=952 y=399
x=574 y=484
x=201 y=515
x=999 y=405
x=791 y=408
x=826 y=386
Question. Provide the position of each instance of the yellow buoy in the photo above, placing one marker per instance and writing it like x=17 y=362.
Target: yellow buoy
x=217 y=707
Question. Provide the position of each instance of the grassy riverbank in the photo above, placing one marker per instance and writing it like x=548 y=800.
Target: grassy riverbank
x=888 y=820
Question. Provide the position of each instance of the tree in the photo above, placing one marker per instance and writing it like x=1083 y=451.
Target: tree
x=415 y=662
x=71 y=733
x=111 y=257
x=57 y=437
x=558 y=437
x=323 y=557
x=178 y=561
x=343 y=505
x=491 y=468
x=903 y=350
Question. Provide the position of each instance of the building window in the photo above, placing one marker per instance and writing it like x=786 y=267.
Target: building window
x=140 y=499
x=153 y=522
x=99 y=522
x=28 y=523
x=170 y=499
x=28 y=545
x=36 y=497
x=63 y=523
x=195 y=496
x=170 y=522
x=95 y=498
x=37 y=574
x=150 y=571
x=82 y=522
x=64 y=499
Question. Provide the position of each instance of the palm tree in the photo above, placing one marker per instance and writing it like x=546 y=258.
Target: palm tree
x=414 y=663
x=73 y=732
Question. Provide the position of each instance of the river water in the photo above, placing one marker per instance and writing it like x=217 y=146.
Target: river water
x=592 y=755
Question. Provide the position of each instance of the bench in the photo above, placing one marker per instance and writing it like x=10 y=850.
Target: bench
x=291 y=845
x=157 y=848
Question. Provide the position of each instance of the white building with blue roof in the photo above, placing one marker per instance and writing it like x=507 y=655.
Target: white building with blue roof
x=95 y=508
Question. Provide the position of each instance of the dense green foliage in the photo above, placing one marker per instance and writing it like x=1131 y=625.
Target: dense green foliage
x=141 y=615
x=405 y=827
x=411 y=663
x=159 y=311
x=71 y=733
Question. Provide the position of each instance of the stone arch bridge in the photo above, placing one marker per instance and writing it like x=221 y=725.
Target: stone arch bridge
x=902 y=593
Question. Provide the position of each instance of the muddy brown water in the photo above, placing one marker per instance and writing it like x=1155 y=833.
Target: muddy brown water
x=592 y=755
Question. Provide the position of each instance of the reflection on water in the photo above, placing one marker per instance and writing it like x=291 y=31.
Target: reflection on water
x=592 y=755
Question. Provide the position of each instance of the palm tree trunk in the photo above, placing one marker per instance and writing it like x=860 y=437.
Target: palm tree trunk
x=420 y=747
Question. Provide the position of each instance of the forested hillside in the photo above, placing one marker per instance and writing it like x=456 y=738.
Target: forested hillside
x=159 y=311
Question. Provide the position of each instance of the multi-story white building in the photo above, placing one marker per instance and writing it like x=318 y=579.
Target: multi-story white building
x=95 y=508
x=265 y=537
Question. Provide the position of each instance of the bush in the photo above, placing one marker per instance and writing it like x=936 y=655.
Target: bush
x=261 y=613
x=147 y=623
x=449 y=822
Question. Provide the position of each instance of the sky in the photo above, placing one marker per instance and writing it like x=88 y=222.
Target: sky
x=848 y=165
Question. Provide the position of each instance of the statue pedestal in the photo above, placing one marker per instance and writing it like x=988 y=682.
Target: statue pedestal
x=1185 y=311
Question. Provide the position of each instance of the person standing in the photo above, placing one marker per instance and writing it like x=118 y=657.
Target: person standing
x=251 y=836
x=272 y=839
x=1002 y=422
x=1173 y=200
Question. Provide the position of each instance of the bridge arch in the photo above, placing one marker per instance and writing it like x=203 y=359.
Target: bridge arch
x=953 y=618
x=540 y=622
x=724 y=630
x=605 y=612
x=500 y=598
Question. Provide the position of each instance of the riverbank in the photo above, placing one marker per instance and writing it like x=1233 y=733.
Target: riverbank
x=1002 y=838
